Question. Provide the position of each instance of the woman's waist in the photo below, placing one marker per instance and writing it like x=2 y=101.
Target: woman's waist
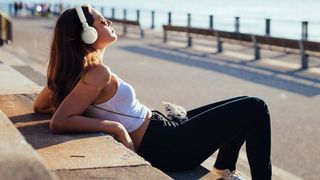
x=146 y=119
x=138 y=134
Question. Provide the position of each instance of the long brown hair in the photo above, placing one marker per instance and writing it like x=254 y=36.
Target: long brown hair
x=70 y=57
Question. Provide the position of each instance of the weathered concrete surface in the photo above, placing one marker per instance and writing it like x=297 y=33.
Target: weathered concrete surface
x=17 y=158
x=12 y=82
x=137 y=172
x=71 y=151
x=88 y=153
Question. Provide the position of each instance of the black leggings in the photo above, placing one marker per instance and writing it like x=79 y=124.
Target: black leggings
x=223 y=125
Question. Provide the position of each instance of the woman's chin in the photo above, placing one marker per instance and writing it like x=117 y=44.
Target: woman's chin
x=115 y=36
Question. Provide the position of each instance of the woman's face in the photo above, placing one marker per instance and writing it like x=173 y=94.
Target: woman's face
x=106 y=33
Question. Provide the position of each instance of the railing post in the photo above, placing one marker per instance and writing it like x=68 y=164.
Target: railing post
x=124 y=24
x=211 y=21
x=305 y=61
x=305 y=30
x=237 y=24
x=188 y=34
x=189 y=20
x=219 y=42
x=152 y=20
x=141 y=33
x=256 y=47
x=112 y=13
x=102 y=11
x=138 y=19
x=268 y=27
x=165 y=36
x=304 y=56
x=9 y=31
x=169 y=18
x=138 y=15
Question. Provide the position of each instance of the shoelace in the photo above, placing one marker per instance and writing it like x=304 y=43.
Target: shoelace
x=228 y=175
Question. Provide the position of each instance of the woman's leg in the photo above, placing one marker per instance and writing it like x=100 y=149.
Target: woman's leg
x=229 y=152
x=201 y=109
x=189 y=144
x=226 y=126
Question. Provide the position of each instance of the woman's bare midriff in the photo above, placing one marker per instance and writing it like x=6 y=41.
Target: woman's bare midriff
x=137 y=135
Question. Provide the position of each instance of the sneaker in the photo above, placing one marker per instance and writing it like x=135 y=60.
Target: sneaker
x=226 y=174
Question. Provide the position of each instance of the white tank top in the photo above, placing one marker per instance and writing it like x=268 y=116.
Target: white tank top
x=123 y=107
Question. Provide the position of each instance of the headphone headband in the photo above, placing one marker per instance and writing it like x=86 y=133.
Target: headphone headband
x=81 y=14
x=89 y=35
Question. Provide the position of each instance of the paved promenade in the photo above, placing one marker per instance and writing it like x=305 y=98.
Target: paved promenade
x=194 y=77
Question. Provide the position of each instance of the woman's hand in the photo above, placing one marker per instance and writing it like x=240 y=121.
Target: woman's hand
x=123 y=137
x=42 y=103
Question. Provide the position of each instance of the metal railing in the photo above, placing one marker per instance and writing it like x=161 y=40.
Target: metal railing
x=302 y=47
x=125 y=22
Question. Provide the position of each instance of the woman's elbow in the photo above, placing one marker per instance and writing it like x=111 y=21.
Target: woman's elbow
x=38 y=109
x=35 y=108
x=56 y=126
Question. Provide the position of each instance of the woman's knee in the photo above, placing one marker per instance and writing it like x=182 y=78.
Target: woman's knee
x=258 y=105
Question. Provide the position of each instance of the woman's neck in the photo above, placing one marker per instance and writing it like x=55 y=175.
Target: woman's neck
x=102 y=52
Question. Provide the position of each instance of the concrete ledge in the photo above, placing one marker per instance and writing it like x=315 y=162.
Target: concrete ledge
x=18 y=160
x=144 y=172
x=84 y=156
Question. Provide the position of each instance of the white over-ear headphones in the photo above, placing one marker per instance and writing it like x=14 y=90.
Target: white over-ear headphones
x=89 y=34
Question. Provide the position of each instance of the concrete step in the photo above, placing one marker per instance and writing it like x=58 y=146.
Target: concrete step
x=13 y=82
x=18 y=160
x=145 y=172
x=81 y=156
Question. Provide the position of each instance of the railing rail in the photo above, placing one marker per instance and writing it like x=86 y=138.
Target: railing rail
x=303 y=47
x=125 y=23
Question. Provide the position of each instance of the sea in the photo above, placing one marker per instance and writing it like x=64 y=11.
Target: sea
x=286 y=15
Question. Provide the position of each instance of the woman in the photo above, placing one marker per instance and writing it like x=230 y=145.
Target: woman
x=85 y=96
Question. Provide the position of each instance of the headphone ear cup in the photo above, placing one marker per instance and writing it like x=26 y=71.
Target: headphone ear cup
x=89 y=35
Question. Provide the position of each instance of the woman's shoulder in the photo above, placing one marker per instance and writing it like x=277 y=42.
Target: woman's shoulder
x=100 y=74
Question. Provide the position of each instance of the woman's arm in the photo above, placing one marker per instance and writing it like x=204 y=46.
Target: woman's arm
x=42 y=103
x=69 y=115
x=78 y=123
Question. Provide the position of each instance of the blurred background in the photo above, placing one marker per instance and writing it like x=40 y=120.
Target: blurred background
x=286 y=15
